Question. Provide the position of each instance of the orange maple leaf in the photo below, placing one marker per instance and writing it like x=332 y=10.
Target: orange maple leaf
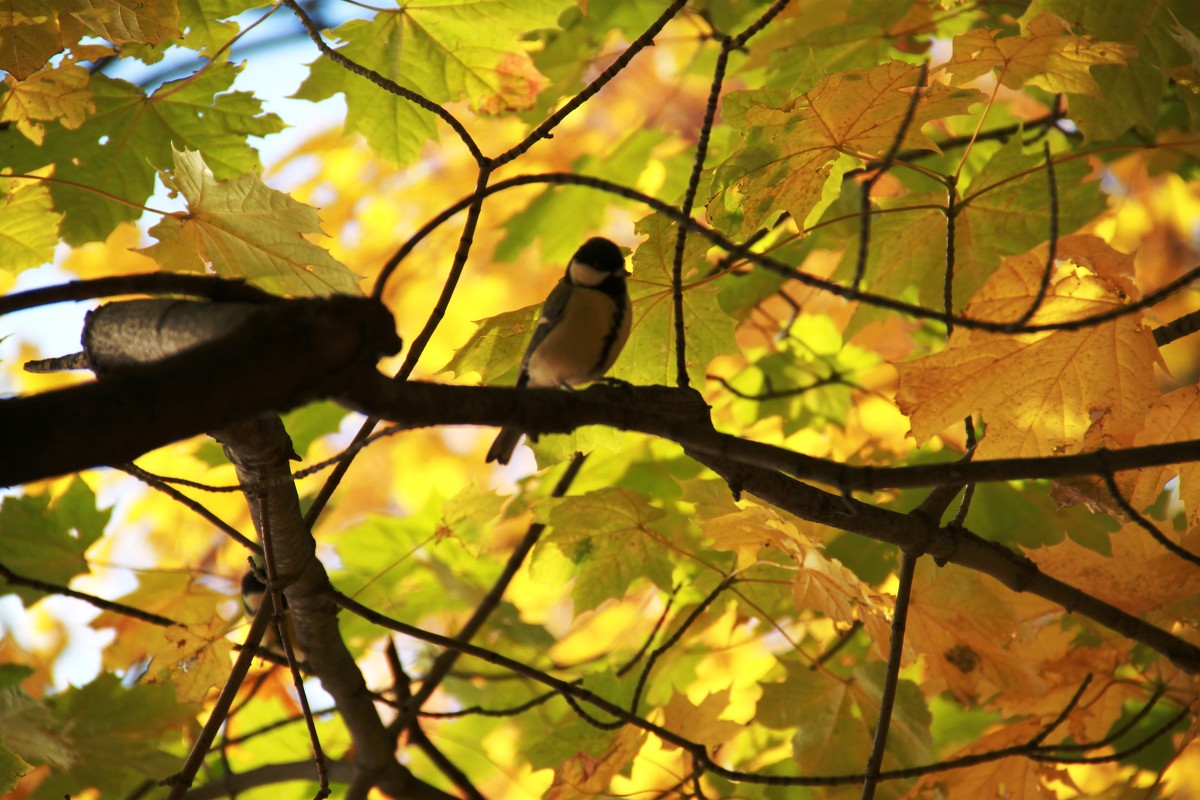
x=1040 y=393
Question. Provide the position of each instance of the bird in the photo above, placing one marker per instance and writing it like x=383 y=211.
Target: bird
x=584 y=323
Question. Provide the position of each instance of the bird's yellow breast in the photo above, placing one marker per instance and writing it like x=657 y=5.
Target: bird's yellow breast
x=582 y=345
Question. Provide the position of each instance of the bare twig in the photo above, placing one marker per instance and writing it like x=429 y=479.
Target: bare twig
x=864 y=215
x=891 y=680
x=1048 y=270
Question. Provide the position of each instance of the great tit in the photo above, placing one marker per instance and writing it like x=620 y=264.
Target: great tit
x=584 y=324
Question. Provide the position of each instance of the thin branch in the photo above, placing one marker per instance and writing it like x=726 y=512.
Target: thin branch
x=1134 y=749
x=491 y=601
x=1145 y=524
x=658 y=623
x=685 y=208
x=278 y=612
x=17 y=579
x=403 y=686
x=694 y=749
x=951 y=251
x=636 y=46
x=415 y=348
x=743 y=252
x=891 y=679
x=1177 y=329
x=833 y=649
x=864 y=236
x=1048 y=271
x=674 y=638
x=385 y=83
x=161 y=485
x=180 y=781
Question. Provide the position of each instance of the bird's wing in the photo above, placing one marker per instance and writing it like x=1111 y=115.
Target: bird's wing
x=552 y=309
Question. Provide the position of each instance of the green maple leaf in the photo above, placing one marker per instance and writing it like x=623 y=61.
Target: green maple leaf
x=28 y=226
x=649 y=356
x=118 y=736
x=446 y=50
x=30 y=736
x=115 y=151
x=834 y=718
x=809 y=41
x=793 y=147
x=242 y=228
x=610 y=538
x=495 y=348
x=1129 y=95
x=47 y=540
x=201 y=25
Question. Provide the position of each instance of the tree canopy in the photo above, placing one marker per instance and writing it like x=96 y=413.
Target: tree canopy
x=897 y=494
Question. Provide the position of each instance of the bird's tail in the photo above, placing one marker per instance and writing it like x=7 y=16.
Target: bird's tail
x=504 y=445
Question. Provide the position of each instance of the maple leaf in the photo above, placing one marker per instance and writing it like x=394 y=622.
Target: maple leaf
x=610 y=538
x=649 y=355
x=192 y=656
x=116 y=149
x=1014 y=778
x=1040 y=393
x=979 y=639
x=1141 y=576
x=1005 y=210
x=1128 y=95
x=446 y=51
x=126 y=21
x=701 y=722
x=834 y=718
x=118 y=735
x=29 y=36
x=244 y=229
x=200 y=22
x=47 y=540
x=747 y=531
x=1173 y=417
x=57 y=93
x=1046 y=55
x=584 y=776
x=791 y=146
x=28 y=226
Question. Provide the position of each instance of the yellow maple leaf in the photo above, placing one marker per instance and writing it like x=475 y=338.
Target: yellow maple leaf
x=979 y=639
x=1014 y=778
x=748 y=530
x=587 y=776
x=242 y=228
x=1046 y=55
x=29 y=36
x=60 y=94
x=1040 y=393
x=702 y=722
x=1141 y=575
x=193 y=655
x=126 y=21
x=1175 y=417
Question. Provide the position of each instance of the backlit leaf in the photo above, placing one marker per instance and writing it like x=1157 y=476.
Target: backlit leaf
x=242 y=228
x=1040 y=393
x=791 y=145
x=1047 y=55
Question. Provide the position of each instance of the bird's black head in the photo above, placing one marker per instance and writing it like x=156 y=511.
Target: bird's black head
x=600 y=254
